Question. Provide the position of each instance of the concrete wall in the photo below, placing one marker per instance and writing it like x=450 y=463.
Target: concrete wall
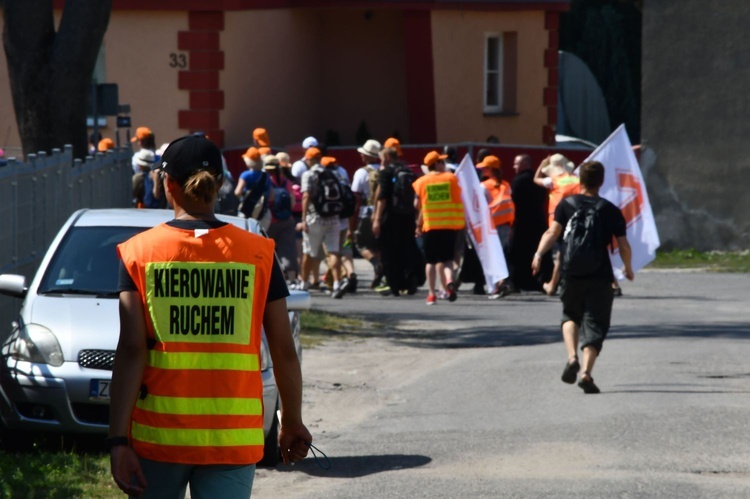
x=696 y=121
x=458 y=39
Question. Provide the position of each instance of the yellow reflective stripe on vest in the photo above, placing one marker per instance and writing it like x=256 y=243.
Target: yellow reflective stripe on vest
x=202 y=406
x=204 y=361
x=202 y=437
x=444 y=206
x=450 y=223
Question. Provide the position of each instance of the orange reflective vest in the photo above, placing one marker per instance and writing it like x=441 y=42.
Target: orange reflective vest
x=563 y=186
x=502 y=209
x=440 y=200
x=204 y=293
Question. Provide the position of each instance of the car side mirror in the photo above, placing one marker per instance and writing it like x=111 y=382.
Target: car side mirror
x=13 y=285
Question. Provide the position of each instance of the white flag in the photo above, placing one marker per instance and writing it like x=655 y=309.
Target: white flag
x=479 y=225
x=624 y=187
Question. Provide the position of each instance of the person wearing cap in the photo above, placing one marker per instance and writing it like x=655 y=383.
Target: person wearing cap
x=286 y=170
x=451 y=158
x=282 y=228
x=300 y=166
x=144 y=138
x=94 y=139
x=555 y=173
x=364 y=183
x=145 y=161
x=321 y=235
x=264 y=151
x=393 y=223
x=254 y=186
x=500 y=202
x=260 y=138
x=186 y=403
x=394 y=143
x=440 y=215
x=348 y=275
x=105 y=145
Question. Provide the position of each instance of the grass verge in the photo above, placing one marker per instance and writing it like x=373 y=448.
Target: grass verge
x=712 y=261
x=56 y=475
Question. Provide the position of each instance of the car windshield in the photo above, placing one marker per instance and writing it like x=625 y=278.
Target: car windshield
x=86 y=261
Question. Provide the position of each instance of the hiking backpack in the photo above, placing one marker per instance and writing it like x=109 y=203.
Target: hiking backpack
x=254 y=202
x=282 y=202
x=332 y=196
x=402 y=195
x=372 y=184
x=584 y=238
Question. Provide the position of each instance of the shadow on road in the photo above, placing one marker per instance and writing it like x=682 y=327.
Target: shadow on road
x=358 y=466
x=483 y=336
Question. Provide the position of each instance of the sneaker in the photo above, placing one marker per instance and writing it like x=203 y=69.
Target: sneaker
x=340 y=292
x=351 y=286
x=443 y=295
x=383 y=290
x=323 y=288
x=315 y=285
x=431 y=299
x=452 y=292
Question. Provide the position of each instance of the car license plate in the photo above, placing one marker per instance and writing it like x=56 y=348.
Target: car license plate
x=99 y=389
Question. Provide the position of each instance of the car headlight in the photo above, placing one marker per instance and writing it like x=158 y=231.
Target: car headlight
x=38 y=345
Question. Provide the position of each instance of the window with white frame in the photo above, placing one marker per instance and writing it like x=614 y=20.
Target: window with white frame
x=493 y=73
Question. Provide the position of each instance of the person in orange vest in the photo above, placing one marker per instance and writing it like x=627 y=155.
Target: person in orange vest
x=502 y=209
x=187 y=393
x=440 y=215
x=555 y=173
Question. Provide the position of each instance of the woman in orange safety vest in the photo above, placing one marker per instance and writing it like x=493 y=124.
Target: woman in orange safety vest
x=187 y=393
x=440 y=215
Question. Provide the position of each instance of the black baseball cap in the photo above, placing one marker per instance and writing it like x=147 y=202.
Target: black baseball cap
x=191 y=154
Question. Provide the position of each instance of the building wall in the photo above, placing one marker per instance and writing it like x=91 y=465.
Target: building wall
x=458 y=39
x=363 y=73
x=695 y=121
x=326 y=69
x=138 y=47
x=272 y=75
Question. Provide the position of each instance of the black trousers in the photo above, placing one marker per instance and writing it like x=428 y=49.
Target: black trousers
x=403 y=263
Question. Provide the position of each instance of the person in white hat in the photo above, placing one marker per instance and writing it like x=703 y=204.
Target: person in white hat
x=364 y=184
x=299 y=167
x=144 y=160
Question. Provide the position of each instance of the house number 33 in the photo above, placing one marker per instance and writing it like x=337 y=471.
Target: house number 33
x=177 y=60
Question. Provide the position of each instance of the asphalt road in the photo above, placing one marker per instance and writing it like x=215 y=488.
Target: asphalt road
x=484 y=414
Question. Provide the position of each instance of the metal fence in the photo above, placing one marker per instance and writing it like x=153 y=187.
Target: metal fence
x=37 y=197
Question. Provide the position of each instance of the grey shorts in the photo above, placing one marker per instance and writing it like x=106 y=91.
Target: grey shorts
x=588 y=303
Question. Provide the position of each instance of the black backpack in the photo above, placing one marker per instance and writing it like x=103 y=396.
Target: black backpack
x=254 y=202
x=282 y=202
x=402 y=195
x=331 y=196
x=584 y=239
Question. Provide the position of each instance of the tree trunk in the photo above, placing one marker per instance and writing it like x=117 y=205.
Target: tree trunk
x=50 y=72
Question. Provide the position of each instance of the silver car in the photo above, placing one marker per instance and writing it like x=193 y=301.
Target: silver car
x=56 y=365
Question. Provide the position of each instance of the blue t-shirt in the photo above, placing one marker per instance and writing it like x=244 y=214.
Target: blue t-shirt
x=251 y=177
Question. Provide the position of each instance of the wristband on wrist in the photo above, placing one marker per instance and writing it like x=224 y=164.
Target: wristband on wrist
x=116 y=442
x=537 y=255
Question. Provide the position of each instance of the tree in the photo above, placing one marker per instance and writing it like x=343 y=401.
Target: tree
x=50 y=72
